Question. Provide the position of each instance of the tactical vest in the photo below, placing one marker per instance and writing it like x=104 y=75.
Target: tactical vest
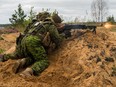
x=35 y=29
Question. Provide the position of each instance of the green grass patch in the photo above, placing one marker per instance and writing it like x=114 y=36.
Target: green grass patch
x=1 y=50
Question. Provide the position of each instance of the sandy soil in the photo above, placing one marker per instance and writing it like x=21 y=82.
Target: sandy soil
x=8 y=41
x=81 y=62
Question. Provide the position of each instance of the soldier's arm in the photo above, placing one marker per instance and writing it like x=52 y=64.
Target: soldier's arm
x=54 y=34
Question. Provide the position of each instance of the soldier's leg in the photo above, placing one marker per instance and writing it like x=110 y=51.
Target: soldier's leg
x=22 y=52
x=40 y=66
x=15 y=55
x=22 y=63
x=38 y=53
x=41 y=61
x=36 y=68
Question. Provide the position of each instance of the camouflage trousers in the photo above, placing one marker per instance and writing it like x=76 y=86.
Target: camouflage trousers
x=32 y=50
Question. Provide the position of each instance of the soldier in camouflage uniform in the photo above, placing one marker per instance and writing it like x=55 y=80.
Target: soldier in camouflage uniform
x=38 y=39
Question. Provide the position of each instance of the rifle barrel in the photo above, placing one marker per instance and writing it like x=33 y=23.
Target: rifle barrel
x=74 y=26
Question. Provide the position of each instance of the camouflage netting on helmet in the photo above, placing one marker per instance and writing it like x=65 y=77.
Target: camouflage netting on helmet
x=56 y=18
x=43 y=15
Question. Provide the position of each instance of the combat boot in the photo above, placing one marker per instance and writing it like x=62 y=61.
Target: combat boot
x=27 y=73
x=18 y=65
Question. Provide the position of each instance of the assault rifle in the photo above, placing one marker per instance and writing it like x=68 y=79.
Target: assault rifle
x=67 y=28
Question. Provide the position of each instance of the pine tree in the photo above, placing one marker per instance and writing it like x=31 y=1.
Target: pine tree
x=32 y=14
x=18 y=17
x=111 y=19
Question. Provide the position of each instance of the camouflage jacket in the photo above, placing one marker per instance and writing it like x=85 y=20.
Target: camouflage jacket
x=41 y=29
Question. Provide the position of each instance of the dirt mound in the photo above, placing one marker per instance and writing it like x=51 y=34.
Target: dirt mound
x=8 y=40
x=86 y=61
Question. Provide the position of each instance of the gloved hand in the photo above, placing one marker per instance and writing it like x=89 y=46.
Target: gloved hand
x=1 y=58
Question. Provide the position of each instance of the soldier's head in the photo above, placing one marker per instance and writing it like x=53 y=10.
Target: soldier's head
x=57 y=21
x=43 y=15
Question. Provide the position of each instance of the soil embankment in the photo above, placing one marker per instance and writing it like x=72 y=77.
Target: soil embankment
x=86 y=61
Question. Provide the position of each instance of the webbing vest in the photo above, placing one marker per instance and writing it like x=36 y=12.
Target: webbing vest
x=33 y=29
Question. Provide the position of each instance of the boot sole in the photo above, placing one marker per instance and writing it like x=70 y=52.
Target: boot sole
x=16 y=68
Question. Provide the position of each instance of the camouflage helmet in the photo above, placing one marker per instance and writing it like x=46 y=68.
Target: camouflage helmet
x=56 y=18
x=43 y=15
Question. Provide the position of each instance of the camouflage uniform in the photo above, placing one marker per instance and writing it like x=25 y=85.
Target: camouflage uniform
x=31 y=48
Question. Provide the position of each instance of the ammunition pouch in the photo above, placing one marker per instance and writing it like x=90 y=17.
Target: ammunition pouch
x=48 y=44
x=46 y=40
